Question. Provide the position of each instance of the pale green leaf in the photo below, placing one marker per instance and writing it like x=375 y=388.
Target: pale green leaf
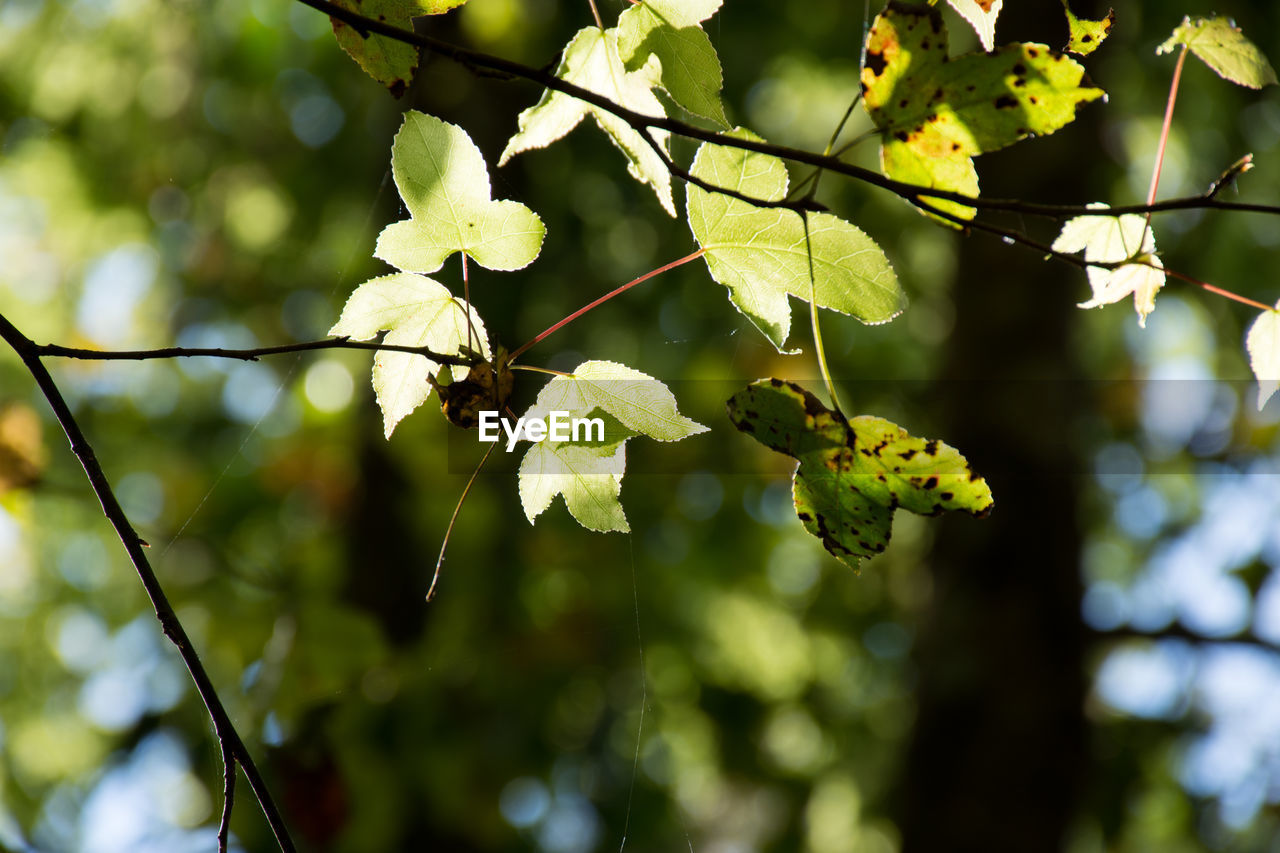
x=761 y=256
x=591 y=60
x=1221 y=46
x=853 y=474
x=935 y=113
x=589 y=472
x=1112 y=239
x=671 y=30
x=1086 y=36
x=1263 y=346
x=444 y=183
x=981 y=15
x=415 y=311
x=390 y=62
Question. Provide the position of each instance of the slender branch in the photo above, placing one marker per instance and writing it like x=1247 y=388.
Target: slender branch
x=435 y=577
x=603 y=299
x=228 y=797
x=1164 y=141
x=1179 y=632
x=228 y=738
x=55 y=350
x=1235 y=297
x=818 y=349
x=595 y=13
x=639 y=121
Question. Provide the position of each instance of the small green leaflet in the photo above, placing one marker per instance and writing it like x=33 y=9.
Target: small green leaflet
x=415 y=311
x=1263 y=345
x=591 y=60
x=589 y=473
x=1086 y=36
x=443 y=180
x=935 y=114
x=1111 y=239
x=1221 y=45
x=760 y=253
x=981 y=15
x=853 y=474
x=388 y=61
x=671 y=31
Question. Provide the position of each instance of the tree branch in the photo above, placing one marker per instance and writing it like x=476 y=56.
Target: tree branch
x=229 y=739
x=56 y=350
x=639 y=122
x=1176 y=631
x=228 y=797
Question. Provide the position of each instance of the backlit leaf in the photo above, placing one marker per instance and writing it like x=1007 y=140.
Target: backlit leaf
x=390 y=62
x=853 y=474
x=1111 y=239
x=760 y=254
x=935 y=113
x=415 y=311
x=586 y=471
x=1221 y=46
x=981 y=15
x=591 y=60
x=671 y=30
x=1086 y=35
x=1263 y=345
x=444 y=182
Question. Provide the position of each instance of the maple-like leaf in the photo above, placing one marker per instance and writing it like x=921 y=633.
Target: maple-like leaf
x=444 y=183
x=762 y=257
x=1222 y=46
x=935 y=114
x=415 y=311
x=1263 y=346
x=390 y=62
x=981 y=15
x=671 y=30
x=1110 y=240
x=852 y=474
x=589 y=472
x=591 y=60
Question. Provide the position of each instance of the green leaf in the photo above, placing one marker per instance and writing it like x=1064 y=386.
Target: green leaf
x=853 y=474
x=1221 y=46
x=935 y=114
x=1112 y=239
x=1086 y=36
x=386 y=60
x=591 y=60
x=981 y=15
x=1263 y=345
x=589 y=473
x=671 y=31
x=443 y=180
x=760 y=253
x=415 y=311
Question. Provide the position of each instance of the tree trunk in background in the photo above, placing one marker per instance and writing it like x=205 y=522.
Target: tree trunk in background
x=999 y=748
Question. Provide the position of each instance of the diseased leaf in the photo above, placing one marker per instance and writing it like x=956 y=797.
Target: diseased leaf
x=1263 y=345
x=935 y=114
x=415 y=311
x=671 y=30
x=588 y=471
x=1112 y=239
x=853 y=474
x=443 y=180
x=390 y=62
x=1222 y=46
x=591 y=60
x=760 y=254
x=981 y=15
x=1086 y=36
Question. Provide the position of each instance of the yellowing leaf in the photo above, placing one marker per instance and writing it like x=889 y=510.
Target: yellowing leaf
x=1112 y=239
x=591 y=60
x=761 y=256
x=981 y=15
x=1222 y=46
x=671 y=31
x=1263 y=346
x=415 y=311
x=1086 y=36
x=935 y=114
x=853 y=474
x=386 y=60
x=443 y=180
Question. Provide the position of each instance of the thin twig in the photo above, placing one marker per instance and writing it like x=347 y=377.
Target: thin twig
x=58 y=351
x=435 y=577
x=1164 y=143
x=228 y=797
x=228 y=738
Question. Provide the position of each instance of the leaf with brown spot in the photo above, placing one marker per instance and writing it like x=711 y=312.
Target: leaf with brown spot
x=1086 y=35
x=853 y=474
x=988 y=100
x=386 y=60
